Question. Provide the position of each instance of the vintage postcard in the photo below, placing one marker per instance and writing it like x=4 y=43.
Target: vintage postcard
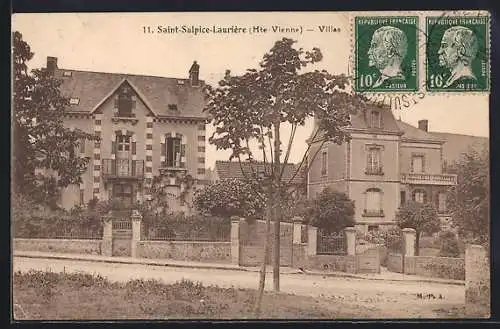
x=250 y=165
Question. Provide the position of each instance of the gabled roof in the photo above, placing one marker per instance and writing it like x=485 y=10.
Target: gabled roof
x=360 y=122
x=157 y=92
x=456 y=144
x=232 y=170
x=415 y=134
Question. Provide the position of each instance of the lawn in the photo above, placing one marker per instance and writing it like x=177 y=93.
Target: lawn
x=62 y=296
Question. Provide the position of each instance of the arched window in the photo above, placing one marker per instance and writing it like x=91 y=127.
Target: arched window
x=373 y=202
x=125 y=102
x=419 y=196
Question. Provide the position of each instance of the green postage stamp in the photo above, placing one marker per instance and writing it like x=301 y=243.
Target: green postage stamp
x=386 y=53
x=457 y=53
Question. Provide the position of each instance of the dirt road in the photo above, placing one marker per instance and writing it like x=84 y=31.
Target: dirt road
x=388 y=299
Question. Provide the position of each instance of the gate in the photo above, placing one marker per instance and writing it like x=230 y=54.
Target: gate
x=122 y=238
x=252 y=237
x=331 y=244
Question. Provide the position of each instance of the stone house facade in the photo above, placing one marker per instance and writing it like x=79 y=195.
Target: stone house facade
x=385 y=163
x=149 y=127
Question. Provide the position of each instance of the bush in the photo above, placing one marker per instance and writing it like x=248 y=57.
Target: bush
x=449 y=245
x=230 y=197
x=37 y=222
x=331 y=211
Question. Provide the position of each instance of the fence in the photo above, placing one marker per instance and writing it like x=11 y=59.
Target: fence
x=36 y=232
x=216 y=232
x=331 y=244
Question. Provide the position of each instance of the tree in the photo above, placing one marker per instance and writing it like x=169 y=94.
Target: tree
x=249 y=110
x=230 y=197
x=449 y=245
x=422 y=217
x=40 y=140
x=331 y=211
x=469 y=199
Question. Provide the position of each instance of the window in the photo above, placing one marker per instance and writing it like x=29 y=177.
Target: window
x=403 y=197
x=324 y=161
x=123 y=143
x=417 y=163
x=172 y=107
x=74 y=101
x=372 y=228
x=373 y=202
x=419 y=196
x=67 y=73
x=173 y=152
x=82 y=197
x=82 y=146
x=375 y=119
x=374 y=166
x=125 y=102
x=441 y=202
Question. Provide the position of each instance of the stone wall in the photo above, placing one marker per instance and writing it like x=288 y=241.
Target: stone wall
x=437 y=267
x=332 y=263
x=477 y=276
x=219 y=252
x=395 y=262
x=58 y=245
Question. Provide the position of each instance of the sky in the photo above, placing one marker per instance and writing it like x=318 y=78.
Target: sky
x=117 y=42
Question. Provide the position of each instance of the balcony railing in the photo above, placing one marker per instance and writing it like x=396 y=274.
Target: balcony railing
x=122 y=168
x=429 y=179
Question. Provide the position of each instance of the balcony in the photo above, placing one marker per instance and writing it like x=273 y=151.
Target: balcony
x=429 y=179
x=122 y=169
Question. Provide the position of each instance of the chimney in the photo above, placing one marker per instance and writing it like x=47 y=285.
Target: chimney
x=423 y=125
x=194 y=74
x=51 y=64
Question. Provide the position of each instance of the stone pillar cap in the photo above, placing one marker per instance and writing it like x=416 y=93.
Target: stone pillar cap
x=409 y=230
x=297 y=219
x=350 y=229
x=235 y=219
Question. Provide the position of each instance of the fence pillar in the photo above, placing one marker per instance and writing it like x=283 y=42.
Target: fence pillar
x=350 y=236
x=312 y=240
x=409 y=237
x=297 y=230
x=107 y=235
x=136 y=231
x=477 y=275
x=235 y=240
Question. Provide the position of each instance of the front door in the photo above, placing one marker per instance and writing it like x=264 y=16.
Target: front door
x=124 y=194
x=123 y=155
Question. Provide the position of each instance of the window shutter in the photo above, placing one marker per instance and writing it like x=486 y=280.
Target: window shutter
x=133 y=166
x=411 y=164
x=163 y=148
x=183 y=150
x=116 y=102
x=134 y=148
x=369 y=160
x=423 y=164
x=113 y=147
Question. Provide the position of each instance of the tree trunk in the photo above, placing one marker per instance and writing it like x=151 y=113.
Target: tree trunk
x=417 y=243
x=277 y=206
x=262 y=277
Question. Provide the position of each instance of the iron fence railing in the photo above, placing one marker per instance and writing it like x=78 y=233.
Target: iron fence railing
x=331 y=243
x=122 y=168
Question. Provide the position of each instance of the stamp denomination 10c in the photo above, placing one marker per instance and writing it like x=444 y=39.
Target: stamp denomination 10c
x=386 y=54
x=457 y=53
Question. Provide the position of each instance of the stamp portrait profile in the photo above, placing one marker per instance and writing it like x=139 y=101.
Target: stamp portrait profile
x=457 y=54
x=386 y=54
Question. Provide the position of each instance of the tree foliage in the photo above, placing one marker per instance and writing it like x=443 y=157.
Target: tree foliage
x=331 y=211
x=40 y=140
x=449 y=246
x=469 y=199
x=230 y=197
x=422 y=217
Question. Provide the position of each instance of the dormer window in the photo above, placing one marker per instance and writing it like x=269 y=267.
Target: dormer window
x=375 y=119
x=172 y=107
x=74 y=101
x=67 y=73
x=125 y=102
